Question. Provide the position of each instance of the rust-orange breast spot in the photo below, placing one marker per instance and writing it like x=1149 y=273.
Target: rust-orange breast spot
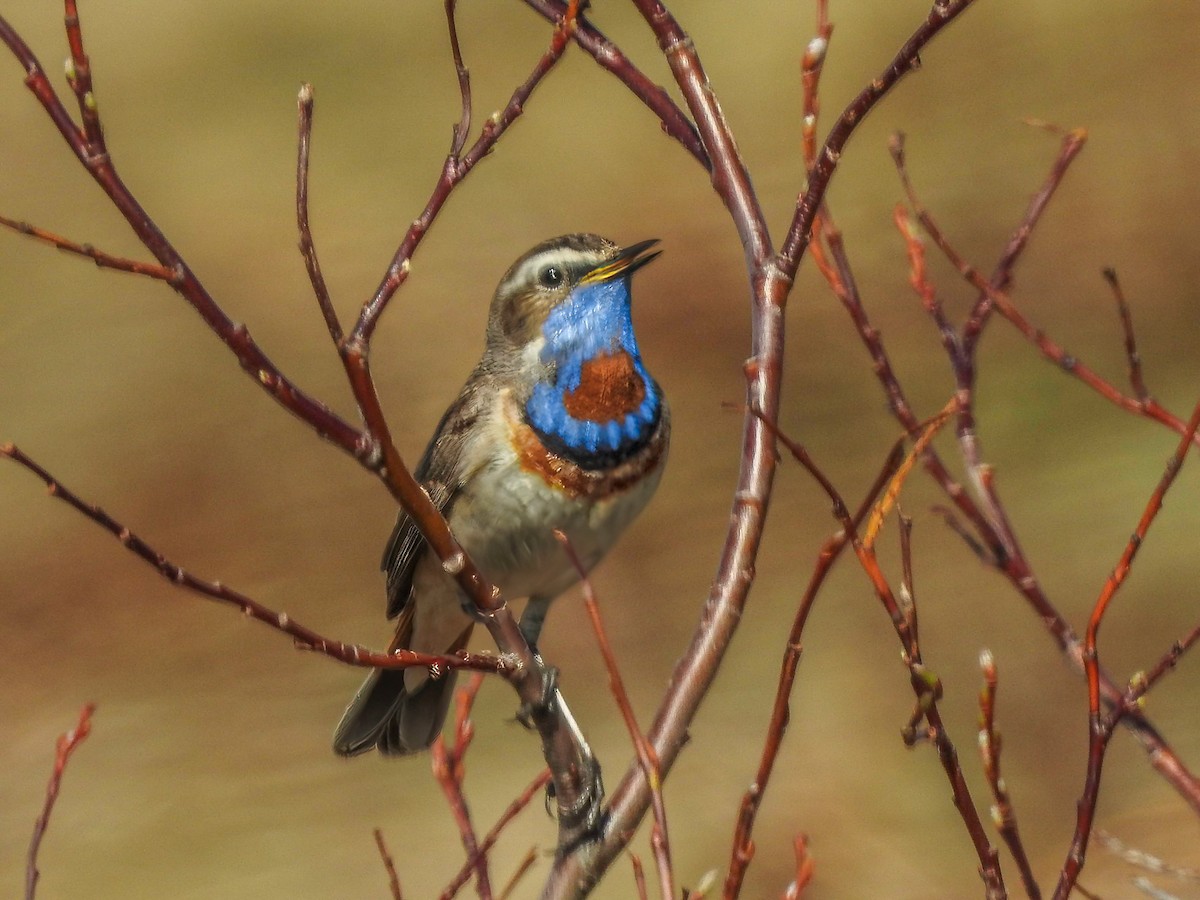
x=609 y=388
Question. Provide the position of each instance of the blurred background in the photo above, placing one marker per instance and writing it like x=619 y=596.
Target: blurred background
x=209 y=772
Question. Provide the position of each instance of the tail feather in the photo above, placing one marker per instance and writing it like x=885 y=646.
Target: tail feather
x=390 y=714
x=384 y=714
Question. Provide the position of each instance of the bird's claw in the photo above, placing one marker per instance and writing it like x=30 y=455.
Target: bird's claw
x=529 y=713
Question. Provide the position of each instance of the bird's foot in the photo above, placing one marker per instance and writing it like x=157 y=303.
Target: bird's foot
x=587 y=815
x=529 y=713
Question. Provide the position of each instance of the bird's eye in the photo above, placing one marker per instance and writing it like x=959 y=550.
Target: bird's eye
x=551 y=277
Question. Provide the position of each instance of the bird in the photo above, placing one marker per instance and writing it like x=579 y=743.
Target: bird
x=559 y=427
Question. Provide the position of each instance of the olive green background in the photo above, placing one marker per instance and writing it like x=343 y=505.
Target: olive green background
x=209 y=772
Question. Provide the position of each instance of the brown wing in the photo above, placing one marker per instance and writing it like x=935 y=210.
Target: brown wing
x=442 y=472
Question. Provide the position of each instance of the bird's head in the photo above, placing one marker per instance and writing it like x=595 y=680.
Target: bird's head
x=569 y=289
x=562 y=316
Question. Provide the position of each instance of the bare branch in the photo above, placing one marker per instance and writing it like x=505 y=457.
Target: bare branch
x=99 y=257
x=1098 y=735
x=1134 y=358
x=87 y=143
x=1003 y=815
x=454 y=170
x=805 y=869
x=305 y=638
x=308 y=249
x=489 y=841
x=799 y=234
x=659 y=839
x=743 y=843
x=609 y=56
x=389 y=866
x=463 y=128
x=449 y=768
x=995 y=527
x=67 y=744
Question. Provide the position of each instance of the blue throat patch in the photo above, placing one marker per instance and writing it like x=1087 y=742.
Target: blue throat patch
x=593 y=321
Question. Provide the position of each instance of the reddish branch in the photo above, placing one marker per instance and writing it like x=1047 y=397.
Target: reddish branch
x=66 y=745
x=1003 y=815
x=907 y=58
x=99 y=257
x=1098 y=733
x=1136 y=380
x=449 y=768
x=389 y=866
x=925 y=683
x=305 y=638
x=87 y=142
x=610 y=57
x=521 y=801
x=804 y=869
x=647 y=759
x=994 y=296
x=994 y=527
x=743 y=844
x=308 y=249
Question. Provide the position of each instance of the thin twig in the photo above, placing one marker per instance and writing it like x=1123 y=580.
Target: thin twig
x=463 y=128
x=457 y=167
x=659 y=839
x=609 y=56
x=389 y=866
x=805 y=869
x=521 y=871
x=66 y=745
x=743 y=844
x=1142 y=682
x=1054 y=352
x=449 y=769
x=519 y=803
x=99 y=257
x=907 y=58
x=88 y=145
x=639 y=876
x=305 y=638
x=1098 y=735
x=1136 y=380
x=1003 y=814
x=308 y=249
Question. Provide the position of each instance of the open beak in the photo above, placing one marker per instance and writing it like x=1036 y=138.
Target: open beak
x=625 y=263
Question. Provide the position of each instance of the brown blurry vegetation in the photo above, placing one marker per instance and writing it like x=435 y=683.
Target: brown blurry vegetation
x=208 y=771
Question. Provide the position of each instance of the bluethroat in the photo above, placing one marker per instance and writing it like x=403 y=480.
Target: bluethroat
x=559 y=426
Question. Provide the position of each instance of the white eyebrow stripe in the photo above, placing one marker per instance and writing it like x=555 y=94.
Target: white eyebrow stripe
x=565 y=258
